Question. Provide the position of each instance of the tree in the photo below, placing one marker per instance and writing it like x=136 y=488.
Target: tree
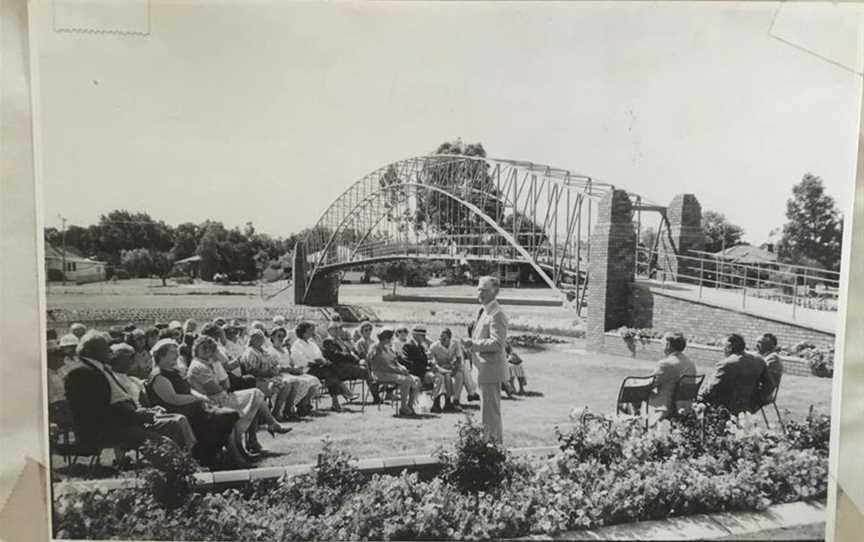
x=162 y=264
x=392 y=271
x=186 y=239
x=719 y=232
x=814 y=229
x=137 y=262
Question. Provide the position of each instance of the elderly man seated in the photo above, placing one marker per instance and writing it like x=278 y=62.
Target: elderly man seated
x=103 y=411
x=415 y=358
x=174 y=426
x=667 y=372
x=740 y=379
x=447 y=363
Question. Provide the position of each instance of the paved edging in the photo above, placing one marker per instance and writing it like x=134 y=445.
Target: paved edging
x=703 y=526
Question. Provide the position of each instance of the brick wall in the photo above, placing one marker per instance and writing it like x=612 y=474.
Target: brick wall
x=705 y=357
x=664 y=312
x=611 y=268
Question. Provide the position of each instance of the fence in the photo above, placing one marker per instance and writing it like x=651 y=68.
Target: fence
x=795 y=285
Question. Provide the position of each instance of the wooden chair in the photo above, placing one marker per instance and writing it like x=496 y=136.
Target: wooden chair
x=685 y=393
x=634 y=392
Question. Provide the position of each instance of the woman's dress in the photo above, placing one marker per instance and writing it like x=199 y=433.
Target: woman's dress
x=305 y=356
x=212 y=425
x=304 y=383
x=202 y=376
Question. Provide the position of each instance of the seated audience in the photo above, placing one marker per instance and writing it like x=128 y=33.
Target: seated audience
x=305 y=386
x=236 y=378
x=152 y=337
x=174 y=426
x=400 y=337
x=265 y=368
x=667 y=372
x=383 y=362
x=103 y=412
x=212 y=424
x=207 y=376
x=739 y=380
x=58 y=409
x=447 y=360
x=516 y=371
x=308 y=357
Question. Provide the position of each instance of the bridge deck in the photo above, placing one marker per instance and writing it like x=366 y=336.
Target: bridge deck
x=732 y=299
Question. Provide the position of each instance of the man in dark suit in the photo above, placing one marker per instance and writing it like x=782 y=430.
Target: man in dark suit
x=415 y=358
x=103 y=412
x=739 y=379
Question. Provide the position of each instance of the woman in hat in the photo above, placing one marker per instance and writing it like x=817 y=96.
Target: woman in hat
x=305 y=386
x=307 y=356
x=385 y=367
x=364 y=342
x=211 y=424
x=68 y=344
x=208 y=377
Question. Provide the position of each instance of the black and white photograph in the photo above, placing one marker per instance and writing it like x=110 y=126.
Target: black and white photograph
x=442 y=270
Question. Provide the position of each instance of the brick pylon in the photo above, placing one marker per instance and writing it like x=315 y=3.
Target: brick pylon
x=612 y=268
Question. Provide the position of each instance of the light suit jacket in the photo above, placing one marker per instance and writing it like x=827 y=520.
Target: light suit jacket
x=490 y=337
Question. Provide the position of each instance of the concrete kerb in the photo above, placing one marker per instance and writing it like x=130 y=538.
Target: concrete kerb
x=227 y=478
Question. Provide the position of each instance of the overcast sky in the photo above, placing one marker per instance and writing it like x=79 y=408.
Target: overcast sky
x=267 y=112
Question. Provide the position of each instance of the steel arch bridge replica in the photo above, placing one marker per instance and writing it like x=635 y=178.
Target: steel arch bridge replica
x=465 y=208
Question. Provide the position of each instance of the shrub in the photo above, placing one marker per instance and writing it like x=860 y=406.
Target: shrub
x=171 y=480
x=476 y=462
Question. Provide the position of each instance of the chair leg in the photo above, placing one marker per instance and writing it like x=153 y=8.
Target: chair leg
x=779 y=419
x=764 y=417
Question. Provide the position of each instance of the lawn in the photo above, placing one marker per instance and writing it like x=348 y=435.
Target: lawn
x=560 y=379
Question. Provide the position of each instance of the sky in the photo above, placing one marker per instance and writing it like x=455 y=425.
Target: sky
x=266 y=112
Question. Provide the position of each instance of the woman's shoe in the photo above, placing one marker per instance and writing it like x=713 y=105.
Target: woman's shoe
x=278 y=428
x=406 y=412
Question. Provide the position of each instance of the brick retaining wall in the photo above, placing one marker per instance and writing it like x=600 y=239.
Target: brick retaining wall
x=662 y=312
x=705 y=357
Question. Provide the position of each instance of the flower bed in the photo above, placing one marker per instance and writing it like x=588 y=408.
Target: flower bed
x=605 y=472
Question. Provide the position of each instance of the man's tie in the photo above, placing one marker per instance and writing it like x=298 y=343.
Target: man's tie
x=477 y=321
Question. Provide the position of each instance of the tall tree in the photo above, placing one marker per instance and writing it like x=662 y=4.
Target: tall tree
x=163 y=264
x=814 y=227
x=719 y=232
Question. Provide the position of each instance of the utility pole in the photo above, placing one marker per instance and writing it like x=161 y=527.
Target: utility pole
x=63 y=230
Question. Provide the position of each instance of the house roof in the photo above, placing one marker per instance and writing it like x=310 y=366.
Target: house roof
x=54 y=253
x=747 y=254
x=190 y=259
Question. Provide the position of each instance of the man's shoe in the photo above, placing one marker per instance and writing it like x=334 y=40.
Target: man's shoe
x=436 y=406
x=473 y=397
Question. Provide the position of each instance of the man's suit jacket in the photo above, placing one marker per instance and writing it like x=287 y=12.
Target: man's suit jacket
x=666 y=375
x=489 y=335
x=738 y=383
x=414 y=358
x=88 y=395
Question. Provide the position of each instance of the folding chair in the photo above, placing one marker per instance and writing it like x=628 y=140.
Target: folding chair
x=634 y=395
x=685 y=393
x=352 y=384
x=772 y=400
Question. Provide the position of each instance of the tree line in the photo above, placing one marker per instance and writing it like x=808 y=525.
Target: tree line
x=143 y=246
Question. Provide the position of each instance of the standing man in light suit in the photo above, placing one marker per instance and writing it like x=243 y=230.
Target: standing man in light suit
x=487 y=342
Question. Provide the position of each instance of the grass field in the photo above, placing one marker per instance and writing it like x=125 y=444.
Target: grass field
x=560 y=379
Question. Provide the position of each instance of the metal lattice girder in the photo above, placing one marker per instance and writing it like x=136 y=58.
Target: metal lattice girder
x=461 y=207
